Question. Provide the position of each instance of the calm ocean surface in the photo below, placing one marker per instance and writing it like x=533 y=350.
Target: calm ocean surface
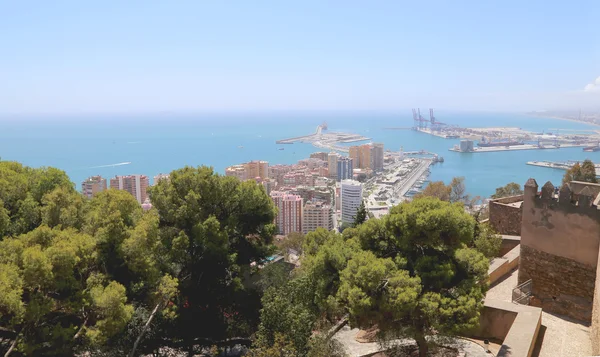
x=159 y=144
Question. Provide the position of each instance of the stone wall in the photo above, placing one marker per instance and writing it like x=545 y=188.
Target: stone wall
x=515 y=326
x=595 y=331
x=560 y=240
x=505 y=215
x=559 y=285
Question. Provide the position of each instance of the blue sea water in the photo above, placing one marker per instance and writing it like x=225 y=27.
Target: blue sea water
x=160 y=143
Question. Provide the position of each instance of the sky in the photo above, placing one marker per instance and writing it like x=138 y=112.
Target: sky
x=186 y=56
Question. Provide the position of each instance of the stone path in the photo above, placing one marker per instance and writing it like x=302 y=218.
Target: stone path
x=347 y=336
x=559 y=336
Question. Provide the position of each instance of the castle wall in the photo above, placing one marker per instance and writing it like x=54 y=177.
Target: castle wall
x=560 y=240
x=505 y=215
x=595 y=330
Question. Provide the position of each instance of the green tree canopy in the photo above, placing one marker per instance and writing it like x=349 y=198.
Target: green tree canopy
x=361 y=215
x=416 y=272
x=585 y=172
x=213 y=227
x=510 y=189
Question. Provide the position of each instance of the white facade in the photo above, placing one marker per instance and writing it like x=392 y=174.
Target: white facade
x=351 y=197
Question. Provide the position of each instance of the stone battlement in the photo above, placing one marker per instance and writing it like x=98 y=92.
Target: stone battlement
x=572 y=198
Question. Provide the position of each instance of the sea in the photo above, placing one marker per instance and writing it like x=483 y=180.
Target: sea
x=110 y=145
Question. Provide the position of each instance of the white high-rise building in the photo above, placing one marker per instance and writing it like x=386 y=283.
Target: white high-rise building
x=351 y=197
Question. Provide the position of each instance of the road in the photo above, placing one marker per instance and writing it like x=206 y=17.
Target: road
x=412 y=178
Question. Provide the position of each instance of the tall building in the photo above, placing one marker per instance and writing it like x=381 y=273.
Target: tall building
x=368 y=156
x=351 y=197
x=344 y=168
x=354 y=154
x=364 y=156
x=137 y=185
x=332 y=160
x=377 y=157
x=317 y=214
x=161 y=177
x=249 y=170
x=319 y=155
x=289 y=212
x=92 y=185
x=256 y=169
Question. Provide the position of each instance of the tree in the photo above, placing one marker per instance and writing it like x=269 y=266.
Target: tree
x=361 y=215
x=413 y=273
x=436 y=189
x=458 y=190
x=293 y=241
x=585 y=172
x=510 y=189
x=213 y=227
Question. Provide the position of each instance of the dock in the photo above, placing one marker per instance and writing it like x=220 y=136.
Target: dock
x=559 y=165
x=516 y=148
x=329 y=141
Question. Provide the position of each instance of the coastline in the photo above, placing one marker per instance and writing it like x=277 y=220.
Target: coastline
x=562 y=118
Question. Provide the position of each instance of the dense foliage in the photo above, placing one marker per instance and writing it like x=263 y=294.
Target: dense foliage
x=102 y=277
x=100 y=274
x=510 y=189
x=585 y=172
x=420 y=270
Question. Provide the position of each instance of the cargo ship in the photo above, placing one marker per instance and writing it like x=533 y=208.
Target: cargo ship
x=592 y=148
x=502 y=142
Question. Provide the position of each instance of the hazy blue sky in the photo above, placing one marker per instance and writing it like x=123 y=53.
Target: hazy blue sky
x=129 y=56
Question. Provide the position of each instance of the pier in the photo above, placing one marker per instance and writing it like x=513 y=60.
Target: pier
x=559 y=165
x=456 y=148
x=329 y=141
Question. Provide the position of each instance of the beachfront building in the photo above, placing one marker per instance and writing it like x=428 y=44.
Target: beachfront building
x=92 y=185
x=255 y=169
x=289 y=212
x=161 y=176
x=368 y=156
x=351 y=197
x=317 y=214
x=137 y=185
x=249 y=171
x=319 y=155
x=238 y=171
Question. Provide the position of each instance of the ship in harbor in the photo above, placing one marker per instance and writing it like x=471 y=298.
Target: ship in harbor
x=500 y=142
x=592 y=148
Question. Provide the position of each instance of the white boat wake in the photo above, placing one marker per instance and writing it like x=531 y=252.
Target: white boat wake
x=111 y=165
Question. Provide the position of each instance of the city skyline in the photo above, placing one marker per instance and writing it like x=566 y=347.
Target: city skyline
x=73 y=57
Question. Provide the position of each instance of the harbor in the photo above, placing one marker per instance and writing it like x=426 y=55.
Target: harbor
x=400 y=180
x=505 y=138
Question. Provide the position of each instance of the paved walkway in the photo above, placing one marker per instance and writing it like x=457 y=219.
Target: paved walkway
x=559 y=336
x=347 y=336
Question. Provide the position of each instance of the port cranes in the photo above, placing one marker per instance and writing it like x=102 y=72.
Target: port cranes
x=419 y=121
x=435 y=125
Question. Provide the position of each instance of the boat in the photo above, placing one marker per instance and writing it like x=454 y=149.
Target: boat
x=505 y=143
x=240 y=147
x=592 y=148
x=281 y=149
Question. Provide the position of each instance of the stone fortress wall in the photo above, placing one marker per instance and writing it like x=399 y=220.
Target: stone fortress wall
x=560 y=240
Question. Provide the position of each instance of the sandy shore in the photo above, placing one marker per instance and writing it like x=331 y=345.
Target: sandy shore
x=562 y=118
